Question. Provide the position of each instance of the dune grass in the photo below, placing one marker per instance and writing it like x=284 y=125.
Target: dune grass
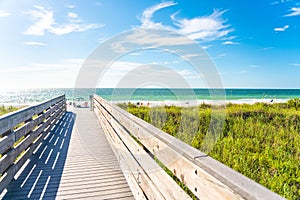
x=4 y=110
x=261 y=141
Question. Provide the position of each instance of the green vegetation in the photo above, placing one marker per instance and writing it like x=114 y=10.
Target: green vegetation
x=261 y=141
x=294 y=103
x=4 y=110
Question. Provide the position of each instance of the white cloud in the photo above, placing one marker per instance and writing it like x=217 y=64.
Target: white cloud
x=35 y=44
x=222 y=55
x=205 y=46
x=229 y=43
x=274 y=3
x=281 y=29
x=206 y=28
x=229 y=38
x=293 y=12
x=296 y=64
x=173 y=16
x=72 y=15
x=278 y=2
x=4 y=13
x=153 y=39
x=147 y=15
x=44 y=21
x=71 y=6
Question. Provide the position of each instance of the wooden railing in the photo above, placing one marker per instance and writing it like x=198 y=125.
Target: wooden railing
x=139 y=145
x=22 y=131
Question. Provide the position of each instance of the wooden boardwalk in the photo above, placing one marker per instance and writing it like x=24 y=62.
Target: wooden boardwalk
x=75 y=161
x=48 y=153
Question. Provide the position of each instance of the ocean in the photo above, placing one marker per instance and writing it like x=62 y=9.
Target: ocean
x=146 y=94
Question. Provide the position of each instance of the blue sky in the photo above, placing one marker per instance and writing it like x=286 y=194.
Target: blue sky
x=253 y=44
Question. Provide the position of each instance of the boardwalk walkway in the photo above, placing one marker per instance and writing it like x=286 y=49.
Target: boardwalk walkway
x=75 y=161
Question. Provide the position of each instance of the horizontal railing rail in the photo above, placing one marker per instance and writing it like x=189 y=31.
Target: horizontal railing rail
x=22 y=131
x=205 y=177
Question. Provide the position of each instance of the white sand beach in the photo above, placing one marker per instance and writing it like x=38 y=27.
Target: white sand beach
x=188 y=103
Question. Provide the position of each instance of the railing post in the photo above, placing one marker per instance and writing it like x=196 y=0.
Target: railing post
x=91 y=102
x=65 y=103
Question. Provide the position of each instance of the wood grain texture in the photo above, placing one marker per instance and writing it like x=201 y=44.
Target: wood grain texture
x=14 y=155
x=12 y=119
x=151 y=178
x=205 y=177
x=75 y=161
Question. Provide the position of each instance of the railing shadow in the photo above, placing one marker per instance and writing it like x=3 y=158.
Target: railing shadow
x=41 y=177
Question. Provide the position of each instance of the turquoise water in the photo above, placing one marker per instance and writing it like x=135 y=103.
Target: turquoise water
x=37 y=95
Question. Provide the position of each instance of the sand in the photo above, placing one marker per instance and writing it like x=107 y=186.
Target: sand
x=199 y=102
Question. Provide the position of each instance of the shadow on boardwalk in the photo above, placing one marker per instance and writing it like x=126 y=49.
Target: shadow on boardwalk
x=42 y=175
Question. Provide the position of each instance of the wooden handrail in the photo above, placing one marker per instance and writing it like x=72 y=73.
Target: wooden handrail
x=22 y=131
x=204 y=176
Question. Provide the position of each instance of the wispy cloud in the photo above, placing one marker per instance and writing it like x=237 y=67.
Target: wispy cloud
x=281 y=29
x=35 y=44
x=4 y=13
x=152 y=38
x=293 y=12
x=73 y=18
x=71 y=6
x=72 y=15
x=205 y=28
x=147 y=15
x=222 y=55
x=281 y=1
x=205 y=46
x=296 y=64
x=44 y=22
x=229 y=43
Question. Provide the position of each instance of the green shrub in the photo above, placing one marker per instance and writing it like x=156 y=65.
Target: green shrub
x=261 y=141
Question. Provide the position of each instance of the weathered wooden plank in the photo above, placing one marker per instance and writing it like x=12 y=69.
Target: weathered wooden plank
x=136 y=185
x=89 y=141
x=33 y=135
x=11 y=156
x=149 y=166
x=27 y=127
x=6 y=142
x=203 y=186
x=6 y=178
x=87 y=168
x=15 y=118
x=205 y=177
x=9 y=174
